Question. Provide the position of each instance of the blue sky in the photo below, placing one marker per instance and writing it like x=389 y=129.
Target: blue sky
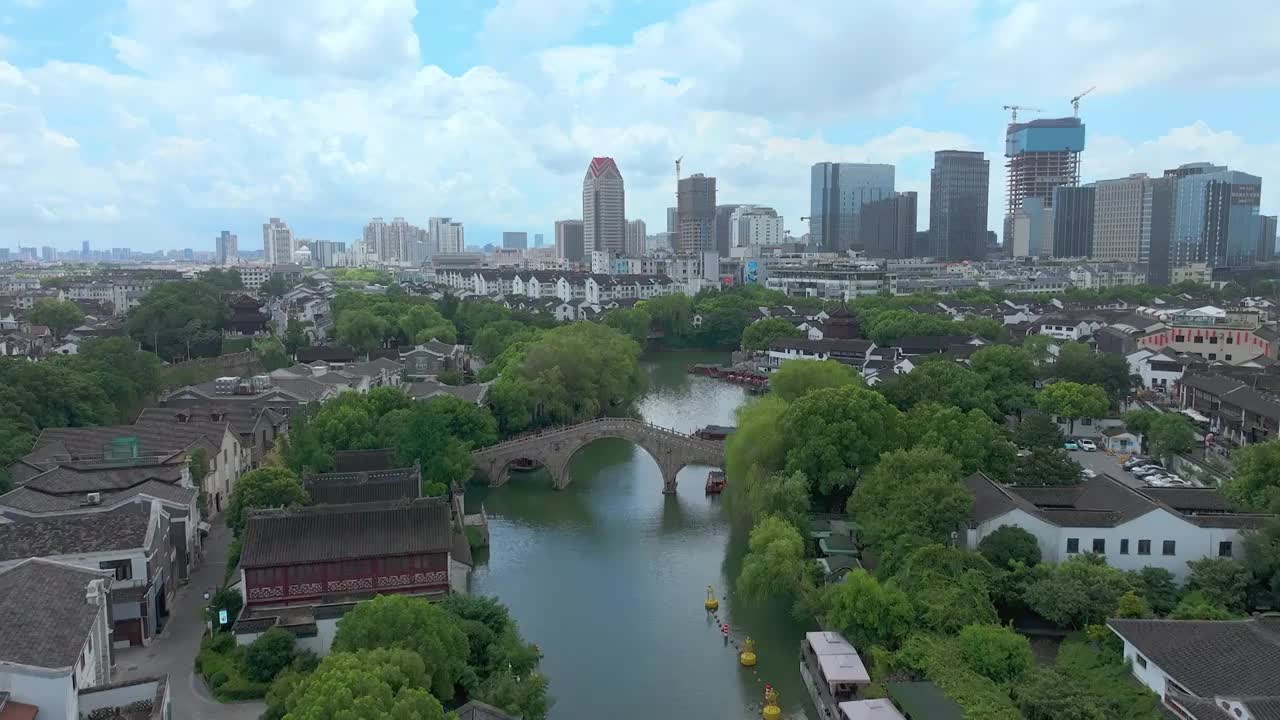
x=157 y=123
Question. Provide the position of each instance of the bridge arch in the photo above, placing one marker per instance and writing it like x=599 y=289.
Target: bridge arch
x=555 y=448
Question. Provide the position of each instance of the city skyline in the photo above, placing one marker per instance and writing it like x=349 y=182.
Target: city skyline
x=154 y=132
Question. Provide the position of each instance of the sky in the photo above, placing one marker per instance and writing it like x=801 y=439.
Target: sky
x=157 y=123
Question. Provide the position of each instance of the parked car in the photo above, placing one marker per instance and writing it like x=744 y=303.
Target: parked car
x=1134 y=462
x=1087 y=473
x=1087 y=445
x=1144 y=470
x=1070 y=445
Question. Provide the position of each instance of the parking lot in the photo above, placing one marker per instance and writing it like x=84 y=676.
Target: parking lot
x=1102 y=462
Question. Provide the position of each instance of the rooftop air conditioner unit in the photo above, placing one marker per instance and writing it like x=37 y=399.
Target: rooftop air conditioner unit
x=93 y=498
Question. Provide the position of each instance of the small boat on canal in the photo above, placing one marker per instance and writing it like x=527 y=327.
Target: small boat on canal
x=832 y=672
x=753 y=381
x=715 y=432
x=716 y=482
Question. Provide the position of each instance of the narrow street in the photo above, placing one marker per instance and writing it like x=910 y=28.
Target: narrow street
x=174 y=651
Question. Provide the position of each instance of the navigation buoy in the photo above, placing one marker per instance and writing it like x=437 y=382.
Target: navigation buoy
x=712 y=604
x=748 y=655
x=771 y=709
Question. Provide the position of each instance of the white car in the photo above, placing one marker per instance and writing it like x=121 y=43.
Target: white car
x=1144 y=470
x=1087 y=445
x=1087 y=473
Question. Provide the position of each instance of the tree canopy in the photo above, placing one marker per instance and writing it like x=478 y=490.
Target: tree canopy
x=410 y=623
x=265 y=487
x=760 y=334
x=62 y=316
x=366 y=685
x=794 y=378
x=944 y=382
x=869 y=614
x=1078 y=592
x=1073 y=400
x=971 y=438
x=179 y=320
x=832 y=434
x=775 y=564
x=1255 y=482
x=1008 y=544
x=913 y=492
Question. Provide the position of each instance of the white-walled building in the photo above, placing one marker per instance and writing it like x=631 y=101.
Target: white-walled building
x=1132 y=528
x=755 y=225
x=1207 y=669
x=635 y=244
x=277 y=242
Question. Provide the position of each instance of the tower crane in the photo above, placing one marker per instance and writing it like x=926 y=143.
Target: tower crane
x=1075 y=101
x=1015 y=108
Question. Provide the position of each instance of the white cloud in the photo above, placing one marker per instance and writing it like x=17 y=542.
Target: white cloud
x=514 y=26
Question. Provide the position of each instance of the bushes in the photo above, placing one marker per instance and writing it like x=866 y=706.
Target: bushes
x=995 y=652
x=269 y=654
x=940 y=659
x=1010 y=543
x=223 y=666
x=1101 y=674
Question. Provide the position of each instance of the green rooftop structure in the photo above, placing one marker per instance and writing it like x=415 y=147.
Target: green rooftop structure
x=924 y=701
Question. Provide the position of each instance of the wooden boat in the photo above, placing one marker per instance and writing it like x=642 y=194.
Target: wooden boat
x=716 y=482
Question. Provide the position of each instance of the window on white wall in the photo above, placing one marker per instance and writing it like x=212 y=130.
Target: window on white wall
x=1169 y=548
x=1073 y=546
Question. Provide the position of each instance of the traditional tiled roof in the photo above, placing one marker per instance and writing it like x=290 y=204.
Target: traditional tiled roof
x=476 y=710
x=326 y=533
x=242 y=416
x=101 y=477
x=916 y=344
x=472 y=392
x=837 y=346
x=326 y=353
x=1209 y=658
x=124 y=528
x=27 y=500
x=45 y=616
x=345 y=488
x=154 y=439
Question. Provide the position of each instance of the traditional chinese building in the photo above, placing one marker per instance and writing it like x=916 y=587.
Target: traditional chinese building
x=247 y=316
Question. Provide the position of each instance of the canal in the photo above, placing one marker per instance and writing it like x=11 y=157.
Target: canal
x=608 y=576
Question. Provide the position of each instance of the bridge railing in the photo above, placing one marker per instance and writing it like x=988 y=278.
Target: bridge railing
x=556 y=430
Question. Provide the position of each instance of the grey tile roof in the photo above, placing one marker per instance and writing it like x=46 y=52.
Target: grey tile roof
x=86 y=478
x=122 y=529
x=326 y=533
x=472 y=393
x=476 y=710
x=1210 y=658
x=345 y=488
x=45 y=618
x=154 y=439
x=1199 y=708
x=242 y=416
x=28 y=500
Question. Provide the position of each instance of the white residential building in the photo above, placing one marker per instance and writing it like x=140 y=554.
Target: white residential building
x=277 y=242
x=1132 y=528
x=444 y=236
x=755 y=225
x=635 y=245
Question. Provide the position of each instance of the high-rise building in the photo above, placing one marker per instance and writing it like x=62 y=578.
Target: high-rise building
x=958 y=189
x=515 y=240
x=1215 y=217
x=444 y=235
x=1267 y=238
x=48 y=254
x=695 y=214
x=1122 y=216
x=635 y=238
x=604 y=206
x=277 y=242
x=1040 y=155
x=570 y=240
x=723 y=228
x=1073 y=221
x=538 y=240
x=672 y=217
x=1032 y=229
x=887 y=227
x=837 y=193
x=1160 y=248
x=226 y=249
x=753 y=225
x=84 y=249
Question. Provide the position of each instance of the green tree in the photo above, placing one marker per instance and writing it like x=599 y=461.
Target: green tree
x=760 y=334
x=868 y=613
x=369 y=685
x=1079 y=363
x=944 y=382
x=269 y=654
x=180 y=319
x=1195 y=606
x=971 y=438
x=1009 y=373
x=1078 y=592
x=774 y=564
x=223 y=279
x=634 y=322
x=1074 y=401
x=1132 y=605
x=439 y=434
x=127 y=375
x=361 y=330
x=1050 y=695
x=949 y=588
x=476 y=314
x=1037 y=348
x=1046 y=467
x=1255 y=482
x=62 y=316
x=672 y=314
x=422 y=323
x=1157 y=587
x=756 y=442
x=493 y=339
x=1009 y=544
x=777 y=495
x=1038 y=431
x=265 y=487
x=410 y=623
x=833 y=433
x=1222 y=581
x=1262 y=557
x=1171 y=434
x=795 y=378
x=271 y=354
x=525 y=695
x=995 y=652
x=913 y=492
x=295 y=336
x=890 y=326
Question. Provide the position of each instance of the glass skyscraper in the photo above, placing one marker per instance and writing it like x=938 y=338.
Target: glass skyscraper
x=837 y=193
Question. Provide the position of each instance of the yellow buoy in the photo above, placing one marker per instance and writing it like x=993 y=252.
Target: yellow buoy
x=748 y=655
x=712 y=603
x=771 y=709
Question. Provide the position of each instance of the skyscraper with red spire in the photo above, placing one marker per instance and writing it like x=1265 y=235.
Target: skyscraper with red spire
x=604 y=225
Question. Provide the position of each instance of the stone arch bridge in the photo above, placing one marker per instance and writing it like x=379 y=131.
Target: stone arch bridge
x=554 y=449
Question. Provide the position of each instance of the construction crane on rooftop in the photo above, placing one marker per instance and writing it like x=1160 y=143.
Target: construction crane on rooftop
x=1015 y=108
x=1075 y=101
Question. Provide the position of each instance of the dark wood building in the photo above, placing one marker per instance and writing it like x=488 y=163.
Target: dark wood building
x=334 y=553
x=246 y=315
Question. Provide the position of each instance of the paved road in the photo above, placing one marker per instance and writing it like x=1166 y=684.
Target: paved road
x=174 y=651
x=1102 y=462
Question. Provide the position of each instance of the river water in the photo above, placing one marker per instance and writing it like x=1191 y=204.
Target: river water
x=609 y=575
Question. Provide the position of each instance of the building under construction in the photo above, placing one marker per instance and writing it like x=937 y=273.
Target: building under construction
x=1040 y=155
